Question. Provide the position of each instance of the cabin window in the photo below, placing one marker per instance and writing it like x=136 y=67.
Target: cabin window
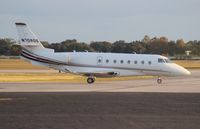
x=149 y=62
x=135 y=62
x=107 y=61
x=160 y=60
x=121 y=61
x=142 y=62
x=115 y=61
x=128 y=61
x=99 y=60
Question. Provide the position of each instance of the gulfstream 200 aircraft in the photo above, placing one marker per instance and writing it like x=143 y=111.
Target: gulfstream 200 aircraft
x=93 y=64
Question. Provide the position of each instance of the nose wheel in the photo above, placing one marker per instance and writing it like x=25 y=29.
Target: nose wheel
x=90 y=80
x=159 y=80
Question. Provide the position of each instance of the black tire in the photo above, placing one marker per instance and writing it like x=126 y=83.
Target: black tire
x=90 y=80
x=159 y=81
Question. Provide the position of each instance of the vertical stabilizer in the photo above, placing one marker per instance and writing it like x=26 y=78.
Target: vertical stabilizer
x=26 y=36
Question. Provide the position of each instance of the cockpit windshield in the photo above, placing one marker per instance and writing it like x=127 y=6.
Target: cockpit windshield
x=168 y=61
x=162 y=60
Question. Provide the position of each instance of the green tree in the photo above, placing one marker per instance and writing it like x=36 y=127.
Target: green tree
x=78 y=47
x=158 y=46
x=101 y=46
x=15 y=50
x=180 y=46
x=45 y=44
x=194 y=47
x=135 y=46
x=118 y=46
x=69 y=46
x=5 y=46
x=172 y=48
x=56 y=47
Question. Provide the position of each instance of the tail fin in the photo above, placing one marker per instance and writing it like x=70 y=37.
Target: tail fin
x=26 y=36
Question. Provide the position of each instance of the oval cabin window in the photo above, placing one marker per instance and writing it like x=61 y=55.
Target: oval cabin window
x=142 y=62
x=135 y=62
x=107 y=61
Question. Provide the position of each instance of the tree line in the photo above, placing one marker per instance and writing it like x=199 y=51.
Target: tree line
x=147 y=45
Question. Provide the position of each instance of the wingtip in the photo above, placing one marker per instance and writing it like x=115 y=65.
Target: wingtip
x=20 y=23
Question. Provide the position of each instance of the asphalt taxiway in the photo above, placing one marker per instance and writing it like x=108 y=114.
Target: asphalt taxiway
x=138 y=104
x=99 y=110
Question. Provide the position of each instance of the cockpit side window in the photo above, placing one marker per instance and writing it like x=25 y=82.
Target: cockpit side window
x=168 y=61
x=160 y=60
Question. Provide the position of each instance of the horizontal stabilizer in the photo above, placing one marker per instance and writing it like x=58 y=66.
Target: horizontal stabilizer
x=19 y=23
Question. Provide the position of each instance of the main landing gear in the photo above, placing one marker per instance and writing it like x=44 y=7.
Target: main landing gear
x=90 y=80
x=159 y=80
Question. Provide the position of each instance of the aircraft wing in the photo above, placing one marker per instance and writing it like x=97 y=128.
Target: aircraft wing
x=102 y=74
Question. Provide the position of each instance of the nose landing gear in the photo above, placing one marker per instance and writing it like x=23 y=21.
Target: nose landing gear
x=159 y=80
x=90 y=80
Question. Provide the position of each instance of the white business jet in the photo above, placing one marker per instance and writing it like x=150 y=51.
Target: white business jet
x=93 y=64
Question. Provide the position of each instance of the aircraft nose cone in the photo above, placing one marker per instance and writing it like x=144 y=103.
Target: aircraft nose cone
x=186 y=72
x=181 y=71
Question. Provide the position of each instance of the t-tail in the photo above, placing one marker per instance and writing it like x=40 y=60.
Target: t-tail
x=32 y=48
x=26 y=36
x=28 y=40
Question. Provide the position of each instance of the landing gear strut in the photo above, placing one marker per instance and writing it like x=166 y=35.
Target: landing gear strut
x=90 y=80
x=159 y=80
